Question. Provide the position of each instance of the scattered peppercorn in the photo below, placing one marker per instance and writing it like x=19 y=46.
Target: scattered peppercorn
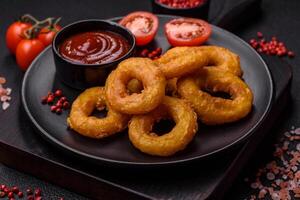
x=181 y=3
x=10 y=195
x=15 y=189
x=2 y=187
x=273 y=47
x=61 y=103
x=20 y=194
x=58 y=93
x=152 y=54
x=6 y=190
x=66 y=105
x=38 y=192
x=2 y=194
x=30 y=197
x=58 y=111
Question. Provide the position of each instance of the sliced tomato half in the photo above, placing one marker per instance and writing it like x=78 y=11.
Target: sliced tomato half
x=187 y=31
x=142 y=24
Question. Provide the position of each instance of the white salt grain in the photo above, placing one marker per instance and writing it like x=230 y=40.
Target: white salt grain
x=298 y=147
x=297 y=131
x=5 y=105
x=270 y=176
x=8 y=91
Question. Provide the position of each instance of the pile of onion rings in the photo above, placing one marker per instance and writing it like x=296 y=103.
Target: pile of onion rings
x=180 y=85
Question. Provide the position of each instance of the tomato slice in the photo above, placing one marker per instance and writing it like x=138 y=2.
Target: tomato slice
x=187 y=31
x=143 y=26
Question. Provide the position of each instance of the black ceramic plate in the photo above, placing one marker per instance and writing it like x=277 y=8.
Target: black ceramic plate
x=117 y=150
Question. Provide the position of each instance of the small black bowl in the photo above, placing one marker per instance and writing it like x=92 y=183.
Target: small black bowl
x=200 y=11
x=81 y=76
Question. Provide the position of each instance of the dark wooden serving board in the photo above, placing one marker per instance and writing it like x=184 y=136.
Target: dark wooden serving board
x=23 y=149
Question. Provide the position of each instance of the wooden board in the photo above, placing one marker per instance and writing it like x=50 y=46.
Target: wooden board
x=23 y=149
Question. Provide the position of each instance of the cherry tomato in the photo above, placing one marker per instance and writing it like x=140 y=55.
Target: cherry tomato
x=187 y=32
x=46 y=35
x=27 y=50
x=143 y=25
x=14 y=34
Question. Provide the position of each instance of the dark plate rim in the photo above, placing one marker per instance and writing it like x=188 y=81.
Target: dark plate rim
x=62 y=146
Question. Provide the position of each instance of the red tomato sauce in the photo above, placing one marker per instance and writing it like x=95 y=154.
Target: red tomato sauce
x=95 y=47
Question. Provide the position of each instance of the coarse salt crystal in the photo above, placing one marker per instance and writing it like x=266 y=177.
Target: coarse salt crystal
x=286 y=143
x=5 y=105
x=4 y=98
x=262 y=193
x=294 y=168
x=297 y=131
x=287 y=134
x=284 y=177
x=270 y=176
x=275 y=196
x=8 y=91
x=298 y=147
x=254 y=185
x=278 y=181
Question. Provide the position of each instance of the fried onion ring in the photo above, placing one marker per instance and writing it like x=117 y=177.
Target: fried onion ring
x=91 y=126
x=215 y=110
x=142 y=137
x=180 y=61
x=144 y=70
x=222 y=58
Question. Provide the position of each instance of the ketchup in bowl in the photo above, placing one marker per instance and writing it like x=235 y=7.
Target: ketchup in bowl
x=94 y=47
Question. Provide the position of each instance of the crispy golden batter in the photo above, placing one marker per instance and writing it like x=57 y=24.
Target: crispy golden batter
x=222 y=58
x=215 y=110
x=90 y=126
x=177 y=139
x=148 y=73
x=180 y=61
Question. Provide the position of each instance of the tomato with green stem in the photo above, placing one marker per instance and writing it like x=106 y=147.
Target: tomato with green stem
x=48 y=33
x=15 y=33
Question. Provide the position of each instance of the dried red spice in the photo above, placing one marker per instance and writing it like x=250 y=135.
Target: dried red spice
x=182 y=3
x=272 y=47
x=57 y=101
x=152 y=54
